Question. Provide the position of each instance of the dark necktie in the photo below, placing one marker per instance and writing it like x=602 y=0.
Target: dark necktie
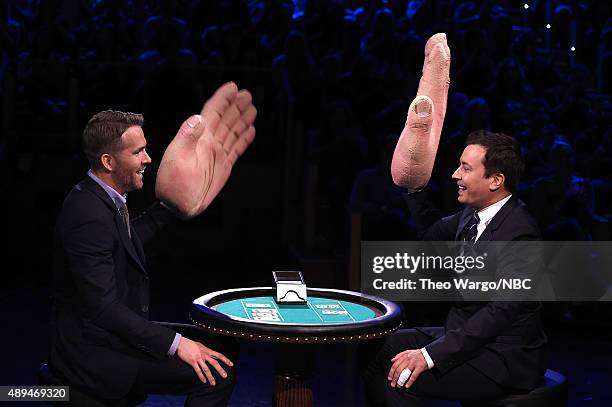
x=471 y=229
x=126 y=218
x=468 y=236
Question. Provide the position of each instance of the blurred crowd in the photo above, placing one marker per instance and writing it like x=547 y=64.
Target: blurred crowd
x=346 y=71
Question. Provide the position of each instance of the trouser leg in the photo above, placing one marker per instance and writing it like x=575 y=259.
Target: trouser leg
x=461 y=383
x=173 y=376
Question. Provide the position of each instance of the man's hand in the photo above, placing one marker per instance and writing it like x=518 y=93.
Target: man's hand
x=198 y=161
x=412 y=359
x=416 y=148
x=199 y=357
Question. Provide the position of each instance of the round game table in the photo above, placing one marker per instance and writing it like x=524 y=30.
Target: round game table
x=329 y=316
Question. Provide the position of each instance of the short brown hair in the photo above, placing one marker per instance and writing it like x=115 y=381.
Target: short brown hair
x=103 y=133
x=503 y=155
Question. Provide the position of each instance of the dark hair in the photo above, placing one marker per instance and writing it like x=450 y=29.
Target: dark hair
x=103 y=133
x=503 y=155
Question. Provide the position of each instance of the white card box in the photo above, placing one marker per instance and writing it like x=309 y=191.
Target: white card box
x=290 y=287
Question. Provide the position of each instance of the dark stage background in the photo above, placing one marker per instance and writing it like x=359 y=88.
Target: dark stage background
x=332 y=81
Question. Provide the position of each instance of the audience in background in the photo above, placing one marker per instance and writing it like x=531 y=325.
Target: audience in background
x=347 y=70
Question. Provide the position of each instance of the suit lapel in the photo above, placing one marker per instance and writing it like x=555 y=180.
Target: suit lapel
x=139 y=250
x=129 y=245
x=127 y=242
x=487 y=235
x=498 y=219
x=463 y=220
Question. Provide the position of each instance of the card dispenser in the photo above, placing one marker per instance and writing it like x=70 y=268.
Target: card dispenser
x=290 y=287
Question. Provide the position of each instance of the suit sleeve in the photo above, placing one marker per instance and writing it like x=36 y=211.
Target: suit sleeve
x=88 y=249
x=459 y=344
x=430 y=224
x=151 y=221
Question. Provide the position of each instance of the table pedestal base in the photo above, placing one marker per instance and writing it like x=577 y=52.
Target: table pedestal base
x=293 y=367
x=292 y=392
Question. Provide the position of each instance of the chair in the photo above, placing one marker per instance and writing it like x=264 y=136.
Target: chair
x=551 y=393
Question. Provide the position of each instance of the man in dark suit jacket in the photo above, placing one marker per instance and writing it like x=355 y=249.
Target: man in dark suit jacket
x=101 y=339
x=485 y=349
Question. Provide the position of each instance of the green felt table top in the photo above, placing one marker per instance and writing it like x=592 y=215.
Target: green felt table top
x=318 y=311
